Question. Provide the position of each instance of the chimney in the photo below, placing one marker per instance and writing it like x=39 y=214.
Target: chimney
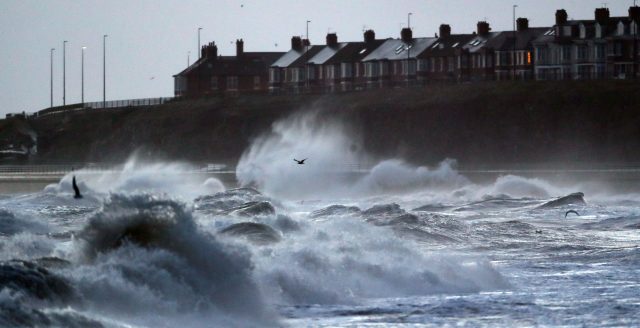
x=602 y=15
x=523 y=24
x=406 y=35
x=296 y=43
x=332 y=39
x=239 y=48
x=369 y=36
x=634 y=13
x=209 y=50
x=483 y=28
x=445 y=30
x=561 y=17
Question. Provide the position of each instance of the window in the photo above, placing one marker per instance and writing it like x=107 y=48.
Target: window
x=599 y=49
x=528 y=57
x=214 y=83
x=232 y=83
x=566 y=52
x=256 y=82
x=582 y=52
x=346 y=69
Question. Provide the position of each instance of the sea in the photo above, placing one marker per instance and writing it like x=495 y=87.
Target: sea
x=323 y=244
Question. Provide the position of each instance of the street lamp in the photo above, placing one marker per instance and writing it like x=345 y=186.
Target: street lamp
x=104 y=71
x=52 y=49
x=82 y=76
x=199 y=52
x=307 y=56
x=408 y=46
x=64 y=71
x=514 y=42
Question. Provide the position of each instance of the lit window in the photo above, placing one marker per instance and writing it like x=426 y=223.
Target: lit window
x=529 y=57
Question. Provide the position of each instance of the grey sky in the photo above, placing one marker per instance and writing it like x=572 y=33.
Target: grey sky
x=149 y=39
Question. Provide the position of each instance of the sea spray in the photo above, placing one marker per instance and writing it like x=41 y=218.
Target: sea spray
x=332 y=150
x=143 y=253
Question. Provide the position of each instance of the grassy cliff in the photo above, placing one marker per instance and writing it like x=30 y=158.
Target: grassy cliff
x=478 y=124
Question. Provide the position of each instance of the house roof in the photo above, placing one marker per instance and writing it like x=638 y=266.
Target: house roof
x=396 y=49
x=326 y=53
x=302 y=59
x=505 y=40
x=355 y=51
x=291 y=57
x=446 y=46
x=250 y=63
x=479 y=42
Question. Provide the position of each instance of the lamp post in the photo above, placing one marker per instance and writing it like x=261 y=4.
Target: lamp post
x=514 y=57
x=306 y=45
x=408 y=47
x=199 y=52
x=82 y=77
x=64 y=72
x=52 y=49
x=104 y=71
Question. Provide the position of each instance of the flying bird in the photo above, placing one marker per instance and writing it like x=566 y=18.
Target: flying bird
x=300 y=162
x=76 y=190
x=571 y=211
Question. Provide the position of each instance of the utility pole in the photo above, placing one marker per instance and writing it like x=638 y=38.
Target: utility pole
x=52 y=49
x=306 y=53
x=515 y=38
x=82 y=76
x=64 y=72
x=104 y=71
x=635 y=43
x=408 y=47
x=199 y=51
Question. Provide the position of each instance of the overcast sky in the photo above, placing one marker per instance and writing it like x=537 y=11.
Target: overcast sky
x=149 y=40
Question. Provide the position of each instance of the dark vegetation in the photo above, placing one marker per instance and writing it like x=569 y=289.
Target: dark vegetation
x=482 y=124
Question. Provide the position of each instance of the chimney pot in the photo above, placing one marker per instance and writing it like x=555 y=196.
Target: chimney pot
x=406 y=34
x=332 y=39
x=296 y=43
x=634 y=13
x=602 y=15
x=561 y=17
x=239 y=48
x=523 y=24
x=369 y=36
x=483 y=28
x=445 y=30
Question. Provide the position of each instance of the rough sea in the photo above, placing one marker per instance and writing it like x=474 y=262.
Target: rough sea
x=318 y=245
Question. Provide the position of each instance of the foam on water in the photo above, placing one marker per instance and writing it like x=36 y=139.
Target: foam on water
x=153 y=245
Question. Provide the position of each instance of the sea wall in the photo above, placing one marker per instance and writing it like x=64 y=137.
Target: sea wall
x=483 y=124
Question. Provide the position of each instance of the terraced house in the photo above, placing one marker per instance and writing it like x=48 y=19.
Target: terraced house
x=605 y=47
x=598 y=48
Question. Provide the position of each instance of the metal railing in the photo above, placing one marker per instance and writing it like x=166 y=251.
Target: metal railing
x=111 y=104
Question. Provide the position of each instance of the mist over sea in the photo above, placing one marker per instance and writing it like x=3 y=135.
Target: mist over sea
x=319 y=244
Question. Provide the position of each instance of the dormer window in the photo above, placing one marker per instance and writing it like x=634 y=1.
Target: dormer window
x=633 y=28
x=598 y=31
x=583 y=31
x=566 y=31
x=620 y=28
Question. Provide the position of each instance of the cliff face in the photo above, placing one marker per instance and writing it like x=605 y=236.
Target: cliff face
x=477 y=124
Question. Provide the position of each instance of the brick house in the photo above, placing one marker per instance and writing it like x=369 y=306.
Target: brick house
x=605 y=47
x=211 y=73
